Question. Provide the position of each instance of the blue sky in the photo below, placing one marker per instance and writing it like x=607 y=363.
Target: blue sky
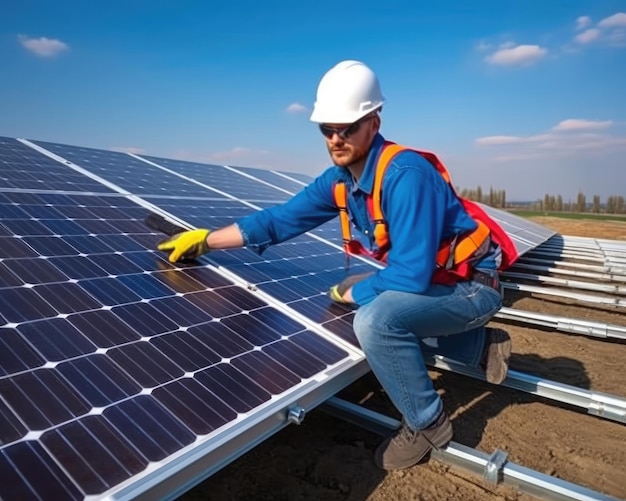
x=526 y=96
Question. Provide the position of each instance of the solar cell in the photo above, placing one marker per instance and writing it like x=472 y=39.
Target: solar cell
x=111 y=358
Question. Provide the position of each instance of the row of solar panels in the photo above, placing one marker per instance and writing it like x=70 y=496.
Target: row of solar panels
x=116 y=367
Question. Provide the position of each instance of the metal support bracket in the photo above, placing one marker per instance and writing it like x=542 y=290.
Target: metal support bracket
x=494 y=469
x=295 y=414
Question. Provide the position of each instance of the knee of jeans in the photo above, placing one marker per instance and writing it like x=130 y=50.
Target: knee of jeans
x=490 y=304
x=363 y=324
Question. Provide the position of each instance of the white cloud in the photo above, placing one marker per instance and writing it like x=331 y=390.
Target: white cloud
x=617 y=38
x=583 y=22
x=128 y=149
x=564 y=138
x=483 y=46
x=614 y=21
x=609 y=31
x=576 y=124
x=518 y=55
x=44 y=47
x=296 y=108
x=497 y=140
x=509 y=140
x=588 y=36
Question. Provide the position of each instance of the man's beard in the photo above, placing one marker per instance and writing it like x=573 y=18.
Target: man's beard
x=356 y=157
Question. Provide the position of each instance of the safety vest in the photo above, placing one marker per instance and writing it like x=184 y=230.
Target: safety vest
x=454 y=257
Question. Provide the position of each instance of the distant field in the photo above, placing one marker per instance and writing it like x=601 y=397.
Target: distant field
x=567 y=215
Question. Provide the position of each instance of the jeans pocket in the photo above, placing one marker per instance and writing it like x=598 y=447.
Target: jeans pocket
x=486 y=302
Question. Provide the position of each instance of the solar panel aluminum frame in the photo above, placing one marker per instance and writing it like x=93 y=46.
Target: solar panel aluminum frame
x=197 y=462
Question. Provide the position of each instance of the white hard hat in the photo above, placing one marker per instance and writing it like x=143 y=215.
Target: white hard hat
x=348 y=91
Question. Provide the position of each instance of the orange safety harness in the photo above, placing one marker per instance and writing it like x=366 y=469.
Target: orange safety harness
x=454 y=257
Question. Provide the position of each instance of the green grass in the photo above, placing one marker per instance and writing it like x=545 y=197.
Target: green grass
x=568 y=215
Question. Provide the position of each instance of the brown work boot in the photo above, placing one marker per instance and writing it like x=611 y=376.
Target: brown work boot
x=496 y=356
x=407 y=447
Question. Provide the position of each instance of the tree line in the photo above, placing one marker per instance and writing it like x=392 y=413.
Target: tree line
x=493 y=198
x=614 y=204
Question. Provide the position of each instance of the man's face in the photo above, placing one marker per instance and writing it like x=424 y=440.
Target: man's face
x=349 y=143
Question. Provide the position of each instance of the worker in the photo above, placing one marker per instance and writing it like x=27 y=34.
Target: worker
x=438 y=285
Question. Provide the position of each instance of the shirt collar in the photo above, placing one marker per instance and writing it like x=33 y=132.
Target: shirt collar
x=366 y=183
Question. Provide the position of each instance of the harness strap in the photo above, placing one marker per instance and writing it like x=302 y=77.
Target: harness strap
x=463 y=247
x=341 y=201
x=381 y=237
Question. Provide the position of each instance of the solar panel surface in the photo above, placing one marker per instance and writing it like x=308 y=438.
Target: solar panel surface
x=113 y=360
x=224 y=179
x=128 y=172
x=23 y=168
x=273 y=178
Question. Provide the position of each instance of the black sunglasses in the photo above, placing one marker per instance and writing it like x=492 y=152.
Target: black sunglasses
x=344 y=132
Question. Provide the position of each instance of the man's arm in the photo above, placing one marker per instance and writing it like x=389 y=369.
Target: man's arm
x=228 y=237
x=308 y=209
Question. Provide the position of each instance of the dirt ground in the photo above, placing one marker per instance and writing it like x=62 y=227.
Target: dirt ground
x=329 y=459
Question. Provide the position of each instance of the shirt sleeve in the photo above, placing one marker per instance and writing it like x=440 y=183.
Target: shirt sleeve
x=309 y=208
x=414 y=201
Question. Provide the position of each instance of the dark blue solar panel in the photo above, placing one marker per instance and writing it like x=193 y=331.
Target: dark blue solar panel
x=233 y=183
x=273 y=179
x=127 y=172
x=110 y=357
x=203 y=212
x=22 y=167
x=303 y=178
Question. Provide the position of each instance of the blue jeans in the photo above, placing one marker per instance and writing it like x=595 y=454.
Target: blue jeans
x=391 y=330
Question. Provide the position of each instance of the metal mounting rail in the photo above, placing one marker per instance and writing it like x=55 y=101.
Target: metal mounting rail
x=609 y=259
x=571 y=264
x=495 y=468
x=595 y=403
x=587 y=298
x=556 y=270
x=564 y=324
x=572 y=284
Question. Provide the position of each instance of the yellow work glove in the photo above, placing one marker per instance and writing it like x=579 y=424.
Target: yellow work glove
x=185 y=245
x=336 y=292
x=335 y=295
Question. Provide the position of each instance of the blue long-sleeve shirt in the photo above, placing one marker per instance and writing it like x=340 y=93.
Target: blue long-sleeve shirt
x=420 y=209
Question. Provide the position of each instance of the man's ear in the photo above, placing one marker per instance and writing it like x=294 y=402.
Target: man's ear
x=377 y=123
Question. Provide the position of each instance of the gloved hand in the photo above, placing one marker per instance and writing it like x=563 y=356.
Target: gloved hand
x=335 y=295
x=336 y=292
x=185 y=245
